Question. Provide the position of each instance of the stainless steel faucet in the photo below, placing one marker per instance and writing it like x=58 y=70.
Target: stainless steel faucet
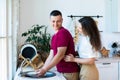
x=23 y=63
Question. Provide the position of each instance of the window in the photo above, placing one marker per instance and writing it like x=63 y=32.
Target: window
x=8 y=49
x=3 y=41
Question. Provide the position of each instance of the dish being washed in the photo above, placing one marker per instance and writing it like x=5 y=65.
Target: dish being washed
x=33 y=74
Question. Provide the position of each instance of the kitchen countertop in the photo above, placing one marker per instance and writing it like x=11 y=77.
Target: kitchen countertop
x=58 y=76
x=108 y=59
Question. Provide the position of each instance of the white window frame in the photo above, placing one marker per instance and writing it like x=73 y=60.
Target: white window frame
x=9 y=13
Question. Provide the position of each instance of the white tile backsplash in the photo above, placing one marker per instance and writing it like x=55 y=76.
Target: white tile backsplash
x=108 y=39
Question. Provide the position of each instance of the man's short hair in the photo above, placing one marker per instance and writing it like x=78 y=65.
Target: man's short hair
x=55 y=13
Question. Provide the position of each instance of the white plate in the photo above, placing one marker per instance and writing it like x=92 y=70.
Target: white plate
x=34 y=74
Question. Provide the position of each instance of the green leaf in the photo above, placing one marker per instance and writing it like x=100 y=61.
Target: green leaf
x=38 y=36
x=24 y=34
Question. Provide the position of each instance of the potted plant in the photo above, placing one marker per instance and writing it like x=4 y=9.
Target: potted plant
x=39 y=37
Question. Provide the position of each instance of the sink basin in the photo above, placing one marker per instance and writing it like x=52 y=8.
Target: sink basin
x=33 y=74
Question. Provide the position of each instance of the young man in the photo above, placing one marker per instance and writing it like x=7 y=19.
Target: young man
x=61 y=44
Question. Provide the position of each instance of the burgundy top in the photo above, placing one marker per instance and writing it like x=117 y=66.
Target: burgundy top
x=64 y=39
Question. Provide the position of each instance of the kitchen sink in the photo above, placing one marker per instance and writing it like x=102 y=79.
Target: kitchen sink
x=33 y=74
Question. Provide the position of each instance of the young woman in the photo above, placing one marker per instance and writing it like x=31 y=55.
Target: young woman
x=89 y=44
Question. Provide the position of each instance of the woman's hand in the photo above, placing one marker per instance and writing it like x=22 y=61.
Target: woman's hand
x=69 y=58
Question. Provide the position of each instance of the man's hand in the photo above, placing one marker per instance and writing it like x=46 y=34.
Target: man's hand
x=41 y=72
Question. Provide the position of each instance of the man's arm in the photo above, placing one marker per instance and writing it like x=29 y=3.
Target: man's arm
x=50 y=57
x=57 y=58
x=50 y=63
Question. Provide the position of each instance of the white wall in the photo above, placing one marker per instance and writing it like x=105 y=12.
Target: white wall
x=37 y=12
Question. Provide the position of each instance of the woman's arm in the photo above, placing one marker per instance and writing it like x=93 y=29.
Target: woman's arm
x=71 y=58
x=85 y=60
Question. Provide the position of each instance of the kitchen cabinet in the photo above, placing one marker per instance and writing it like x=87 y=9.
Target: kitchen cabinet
x=119 y=71
x=108 y=70
x=113 y=15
